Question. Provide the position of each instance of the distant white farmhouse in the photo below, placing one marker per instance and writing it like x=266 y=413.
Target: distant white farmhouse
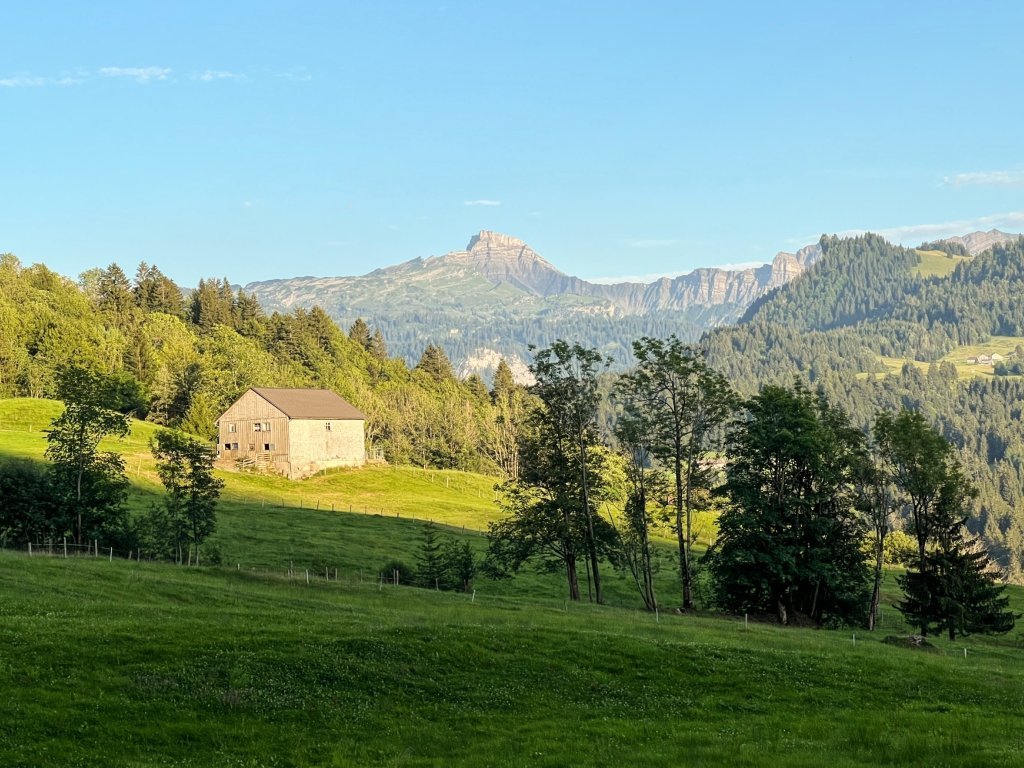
x=296 y=432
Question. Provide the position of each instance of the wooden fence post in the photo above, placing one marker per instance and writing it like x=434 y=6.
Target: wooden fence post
x=65 y=546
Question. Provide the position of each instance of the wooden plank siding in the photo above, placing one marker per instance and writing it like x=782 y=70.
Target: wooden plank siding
x=248 y=411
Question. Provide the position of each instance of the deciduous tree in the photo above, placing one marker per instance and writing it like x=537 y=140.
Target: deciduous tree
x=185 y=467
x=789 y=541
x=90 y=483
x=679 y=403
x=566 y=384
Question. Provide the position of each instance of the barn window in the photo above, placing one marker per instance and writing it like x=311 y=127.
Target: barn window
x=328 y=426
x=234 y=446
x=266 y=426
x=231 y=427
x=227 y=446
x=268 y=446
x=257 y=427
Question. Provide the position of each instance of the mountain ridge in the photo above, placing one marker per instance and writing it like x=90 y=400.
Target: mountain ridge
x=498 y=296
x=503 y=259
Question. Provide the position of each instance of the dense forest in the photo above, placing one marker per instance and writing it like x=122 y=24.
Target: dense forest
x=408 y=332
x=863 y=301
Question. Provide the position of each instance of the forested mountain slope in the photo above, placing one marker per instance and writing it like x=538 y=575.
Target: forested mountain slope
x=861 y=306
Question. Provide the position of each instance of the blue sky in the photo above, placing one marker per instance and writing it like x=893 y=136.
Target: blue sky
x=264 y=139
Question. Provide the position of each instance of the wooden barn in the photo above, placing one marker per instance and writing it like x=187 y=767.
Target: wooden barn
x=296 y=432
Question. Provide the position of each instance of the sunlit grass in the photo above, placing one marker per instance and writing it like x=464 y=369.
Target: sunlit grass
x=127 y=664
x=937 y=263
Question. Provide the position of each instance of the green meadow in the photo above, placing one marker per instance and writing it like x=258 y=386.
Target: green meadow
x=121 y=663
x=937 y=263
x=1004 y=345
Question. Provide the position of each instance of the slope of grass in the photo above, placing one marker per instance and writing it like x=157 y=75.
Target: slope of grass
x=122 y=664
x=354 y=521
x=118 y=663
x=937 y=263
x=1004 y=345
x=454 y=498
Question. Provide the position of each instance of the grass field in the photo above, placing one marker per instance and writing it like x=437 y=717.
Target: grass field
x=127 y=664
x=1004 y=345
x=120 y=663
x=937 y=263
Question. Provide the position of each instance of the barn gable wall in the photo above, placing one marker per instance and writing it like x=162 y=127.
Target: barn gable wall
x=253 y=428
x=249 y=412
x=315 y=447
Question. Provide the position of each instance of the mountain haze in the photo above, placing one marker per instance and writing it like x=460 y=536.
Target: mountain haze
x=499 y=295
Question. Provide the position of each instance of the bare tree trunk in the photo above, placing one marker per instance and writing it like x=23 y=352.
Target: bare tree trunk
x=681 y=534
x=570 y=559
x=688 y=502
x=645 y=563
x=876 y=590
x=590 y=593
x=591 y=539
x=570 y=573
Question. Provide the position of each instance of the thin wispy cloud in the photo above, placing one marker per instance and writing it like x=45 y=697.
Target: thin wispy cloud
x=489 y=203
x=1013 y=220
x=986 y=179
x=34 y=81
x=23 y=81
x=142 y=75
x=211 y=75
x=296 y=75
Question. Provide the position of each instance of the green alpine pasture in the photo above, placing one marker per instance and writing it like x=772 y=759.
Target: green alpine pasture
x=1004 y=345
x=110 y=662
x=127 y=664
x=937 y=263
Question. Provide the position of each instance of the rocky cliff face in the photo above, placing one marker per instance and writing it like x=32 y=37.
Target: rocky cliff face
x=504 y=260
x=979 y=242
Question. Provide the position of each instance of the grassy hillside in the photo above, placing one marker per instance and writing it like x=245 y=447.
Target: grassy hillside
x=1004 y=345
x=937 y=263
x=352 y=520
x=453 y=498
x=127 y=664
x=120 y=663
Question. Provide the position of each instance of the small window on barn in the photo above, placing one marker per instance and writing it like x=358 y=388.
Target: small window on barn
x=328 y=426
x=234 y=446
x=266 y=426
x=231 y=428
x=227 y=446
x=268 y=446
x=257 y=427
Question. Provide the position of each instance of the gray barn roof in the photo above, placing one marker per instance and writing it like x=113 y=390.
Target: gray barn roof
x=310 y=403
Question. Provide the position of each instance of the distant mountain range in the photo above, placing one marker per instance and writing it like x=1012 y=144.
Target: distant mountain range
x=498 y=296
x=497 y=267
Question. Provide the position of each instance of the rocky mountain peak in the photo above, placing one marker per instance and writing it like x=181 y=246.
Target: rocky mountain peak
x=505 y=259
x=979 y=242
x=486 y=239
